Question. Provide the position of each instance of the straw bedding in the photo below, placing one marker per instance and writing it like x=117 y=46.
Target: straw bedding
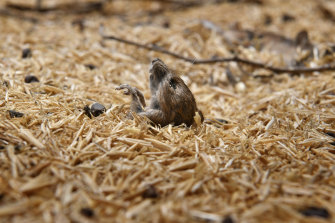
x=272 y=161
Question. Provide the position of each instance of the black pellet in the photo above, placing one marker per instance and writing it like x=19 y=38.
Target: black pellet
x=287 y=18
x=166 y=24
x=17 y=148
x=15 y=114
x=30 y=79
x=328 y=52
x=222 y=120
x=87 y=111
x=267 y=20
x=331 y=134
x=5 y=83
x=90 y=66
x=97 y=109
x=228 y=219
x=315 y=212
x=87 y=212
x=26 y=53
x=80 y=23
x=150 y=192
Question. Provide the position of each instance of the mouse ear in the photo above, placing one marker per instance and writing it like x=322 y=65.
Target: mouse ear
x=156 y=60
x=173 y=83
x=302 y=38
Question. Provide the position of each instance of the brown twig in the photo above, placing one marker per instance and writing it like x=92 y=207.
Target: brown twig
x=9 y=13
x=68 y=7
x=178 y=2
x=293 y=70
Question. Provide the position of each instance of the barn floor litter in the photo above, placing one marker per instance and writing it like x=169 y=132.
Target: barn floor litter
x=272 y=160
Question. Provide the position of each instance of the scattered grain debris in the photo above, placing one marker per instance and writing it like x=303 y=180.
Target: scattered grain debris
x=28 y=136
x=266 y=155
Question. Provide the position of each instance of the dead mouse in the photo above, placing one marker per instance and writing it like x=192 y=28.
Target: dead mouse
x=171 y=102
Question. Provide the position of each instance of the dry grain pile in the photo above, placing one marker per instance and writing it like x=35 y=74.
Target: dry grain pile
x=271 y=162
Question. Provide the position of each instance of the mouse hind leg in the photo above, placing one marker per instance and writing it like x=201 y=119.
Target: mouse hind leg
x=157 y=116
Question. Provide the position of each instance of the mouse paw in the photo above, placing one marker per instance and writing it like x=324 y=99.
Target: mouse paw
x=127 y=89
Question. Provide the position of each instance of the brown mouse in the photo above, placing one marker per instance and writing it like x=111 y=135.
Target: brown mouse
x=171 y=102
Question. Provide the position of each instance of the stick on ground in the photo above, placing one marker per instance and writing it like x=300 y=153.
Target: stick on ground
x=293 y=70
x=78 y=8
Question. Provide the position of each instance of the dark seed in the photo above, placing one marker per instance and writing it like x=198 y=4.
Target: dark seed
x=166 y=24
x=5 y=83
x=330 y=134
x=26 y=53
x=267 y=20
x=97 y=109
x=316 y=212
x=228 y=219
x=332 y=143
x=2 y=147
x=17 y=148
x=90 y=66
x=87 y=212
x=15 y=114
x=328 y=52
x=1 y=196
x=150 y=192
x=30 y=79
x=87 y=111
x=287 y=18
x=222 y=120
x=257 y=2
x=80 y=23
